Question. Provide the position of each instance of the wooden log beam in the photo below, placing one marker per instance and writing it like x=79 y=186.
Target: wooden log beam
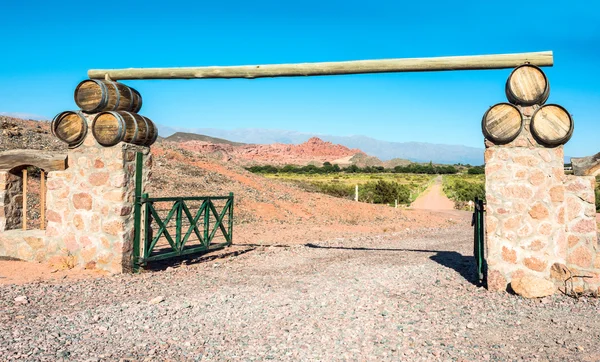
x=47 y=161
x=471 y=62
x=586 y=166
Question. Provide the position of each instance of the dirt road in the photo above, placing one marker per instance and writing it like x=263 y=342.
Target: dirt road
x=402 y=296
x=433 y=198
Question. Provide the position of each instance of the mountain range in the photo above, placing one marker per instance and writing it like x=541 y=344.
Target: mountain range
x=384 y=150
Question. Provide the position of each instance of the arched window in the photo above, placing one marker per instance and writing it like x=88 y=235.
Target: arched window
x=23 y=187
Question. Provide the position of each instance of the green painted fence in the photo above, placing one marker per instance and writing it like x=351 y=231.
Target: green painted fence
x=167 y=227
x=478 y=224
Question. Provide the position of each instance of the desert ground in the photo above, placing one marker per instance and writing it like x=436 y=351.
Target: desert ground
x=309 y=277
x=405 y=295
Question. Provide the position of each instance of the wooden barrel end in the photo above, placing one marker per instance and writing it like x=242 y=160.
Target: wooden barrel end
x=70 y=127
x=502 y=123
x=552 y=125
x=527 y=85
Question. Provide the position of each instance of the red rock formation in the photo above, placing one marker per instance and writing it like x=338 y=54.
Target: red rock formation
x=313 y=150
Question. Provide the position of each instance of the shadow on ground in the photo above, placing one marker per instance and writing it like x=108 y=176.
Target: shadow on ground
x=192 y=259
x=463 y=265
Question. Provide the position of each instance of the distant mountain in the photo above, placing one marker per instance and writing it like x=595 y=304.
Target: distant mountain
x=184 y=136
x=384 y=150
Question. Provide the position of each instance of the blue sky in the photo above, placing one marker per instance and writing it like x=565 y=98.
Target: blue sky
x=48 y=48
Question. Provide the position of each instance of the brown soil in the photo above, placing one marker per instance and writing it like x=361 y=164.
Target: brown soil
x=404 y=296
x=433 y=198
x=258 y=234
x=21 y=272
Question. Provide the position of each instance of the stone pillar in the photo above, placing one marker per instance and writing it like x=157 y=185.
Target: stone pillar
x=90 y=205
x=537 y=218
x=11 y=200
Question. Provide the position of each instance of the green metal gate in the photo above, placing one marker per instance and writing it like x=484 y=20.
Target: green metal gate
x=167 y=227
x=479 y=239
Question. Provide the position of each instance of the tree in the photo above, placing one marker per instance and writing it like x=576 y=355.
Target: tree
x=476 y=170
x=352 y=169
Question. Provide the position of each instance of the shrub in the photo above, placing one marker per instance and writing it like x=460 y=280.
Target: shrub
x=335 y=189
x=384 y=192
x=477 y=170
x=462 y=190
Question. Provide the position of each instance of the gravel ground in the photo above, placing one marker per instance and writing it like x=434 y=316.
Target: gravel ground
x=402 y=296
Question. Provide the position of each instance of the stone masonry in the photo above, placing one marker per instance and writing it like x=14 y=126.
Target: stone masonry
x=11 y=200
x=583 y=258
x=90 y=217
x=538 y=220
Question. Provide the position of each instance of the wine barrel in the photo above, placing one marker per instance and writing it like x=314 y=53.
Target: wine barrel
x=93 y=96
x=112 y=127
x=70 y=127
x=552 y=125
x=152 y=132
x=502 y=123
x=527 y=85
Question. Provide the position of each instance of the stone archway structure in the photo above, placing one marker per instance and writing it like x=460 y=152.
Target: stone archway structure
x=540 y=222
x=90 y=199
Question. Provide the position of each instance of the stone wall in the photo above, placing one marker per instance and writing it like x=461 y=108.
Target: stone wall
x=23 y=244
x=89 y=209
x=11 y=200
x=537 y=218
x=582 y=239
x=90 y=205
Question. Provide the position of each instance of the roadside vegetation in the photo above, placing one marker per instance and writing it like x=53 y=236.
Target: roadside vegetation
x=376 y=184
x=464 y=188
x=328 y=168
x=377 y=188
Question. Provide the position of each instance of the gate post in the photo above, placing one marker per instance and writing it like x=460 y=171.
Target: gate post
x=90 y=205
x=139 y=166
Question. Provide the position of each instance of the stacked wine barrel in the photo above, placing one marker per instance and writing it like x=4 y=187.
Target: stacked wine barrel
x=527 y=86
x=114 y=109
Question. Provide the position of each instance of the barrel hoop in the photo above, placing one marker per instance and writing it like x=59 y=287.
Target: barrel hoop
x=147 y=128
x=140 y=101
x=53 y=123
x=120 y=133
x=104 y=99
x=560 y=141
x=114 y=84
x=513 y=98
x=84 y=133
x=151 y=141
x=155 y=136
x=136 y=125
x=131 y=95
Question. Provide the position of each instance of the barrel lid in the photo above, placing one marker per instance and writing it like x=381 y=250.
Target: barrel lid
x=502 y=123
x=548 y=125
x=56 y=121
x=518 y=94
x=88 y=107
